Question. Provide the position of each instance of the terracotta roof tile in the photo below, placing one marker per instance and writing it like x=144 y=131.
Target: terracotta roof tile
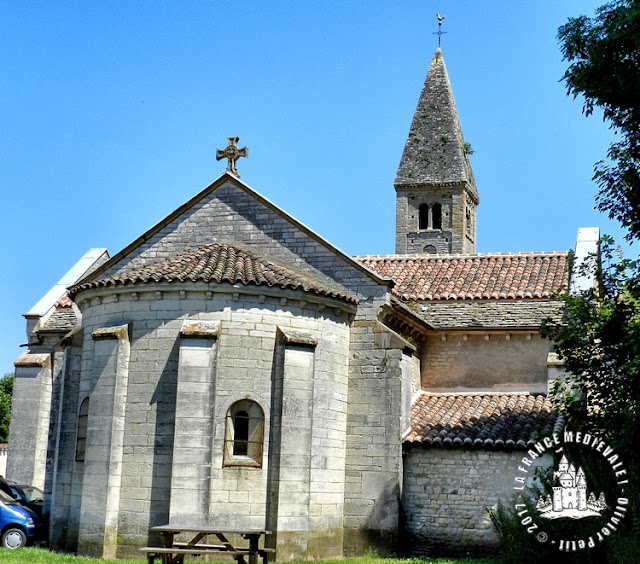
x=473 y=277
x=219 y=262
x=64 y=301
x=482 y=420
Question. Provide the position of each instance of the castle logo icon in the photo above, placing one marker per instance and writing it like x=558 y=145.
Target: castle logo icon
x=570 y=497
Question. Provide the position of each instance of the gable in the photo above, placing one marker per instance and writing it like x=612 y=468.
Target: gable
x=230 y=211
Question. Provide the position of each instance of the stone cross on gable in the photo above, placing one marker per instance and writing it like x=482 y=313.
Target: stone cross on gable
x=232 y=153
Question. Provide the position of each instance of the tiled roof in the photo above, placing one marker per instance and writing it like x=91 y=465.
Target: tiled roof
x=472 y=277
x=482 y=420
x=219 y=262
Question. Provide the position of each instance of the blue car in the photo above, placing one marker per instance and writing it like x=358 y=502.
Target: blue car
x=28 y=496
x=19 y=525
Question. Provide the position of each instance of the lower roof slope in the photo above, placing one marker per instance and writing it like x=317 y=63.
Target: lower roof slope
x=485 y=420
x=219 y=263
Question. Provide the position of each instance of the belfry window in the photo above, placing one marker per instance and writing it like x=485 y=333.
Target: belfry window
x=430 y=217
x=244 y=434
x=81 y=435
x=436 y=215
x=423 y=216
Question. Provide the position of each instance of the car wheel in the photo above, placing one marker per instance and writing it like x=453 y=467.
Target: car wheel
x=14 y=538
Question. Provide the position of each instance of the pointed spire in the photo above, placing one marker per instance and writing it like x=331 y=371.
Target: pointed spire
x=435 y=151
x=436 y=195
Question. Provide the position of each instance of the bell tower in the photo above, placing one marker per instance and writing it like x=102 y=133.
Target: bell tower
x=436 y=194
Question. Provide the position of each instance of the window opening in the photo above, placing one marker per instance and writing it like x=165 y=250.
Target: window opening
x=81 y=437
x=241 y=433
x=423 y=216
x=244 y=434
x=436 y=213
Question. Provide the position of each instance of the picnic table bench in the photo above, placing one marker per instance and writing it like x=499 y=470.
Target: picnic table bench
x=173 y=552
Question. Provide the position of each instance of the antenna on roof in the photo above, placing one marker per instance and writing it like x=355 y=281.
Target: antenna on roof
x=439 y=33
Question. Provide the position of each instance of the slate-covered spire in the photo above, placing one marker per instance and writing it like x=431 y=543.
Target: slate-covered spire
x=435 y=150
x=435 y=171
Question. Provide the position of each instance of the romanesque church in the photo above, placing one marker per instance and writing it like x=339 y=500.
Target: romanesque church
x=231 y=367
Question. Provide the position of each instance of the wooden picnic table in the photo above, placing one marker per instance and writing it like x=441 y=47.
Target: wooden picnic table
x=173 y=552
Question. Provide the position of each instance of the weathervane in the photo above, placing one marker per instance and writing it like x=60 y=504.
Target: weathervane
x=232 y=153
x=439 y=33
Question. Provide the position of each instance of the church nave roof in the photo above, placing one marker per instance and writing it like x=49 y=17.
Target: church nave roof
x=501 y=276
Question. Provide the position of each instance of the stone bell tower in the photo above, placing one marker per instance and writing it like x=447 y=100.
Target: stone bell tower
x=436 y=195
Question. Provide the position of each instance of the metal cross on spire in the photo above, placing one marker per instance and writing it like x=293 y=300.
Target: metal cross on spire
x=439 y=33
x=232 y=153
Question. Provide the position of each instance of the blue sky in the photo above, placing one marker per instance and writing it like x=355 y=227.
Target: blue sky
x=110 y=114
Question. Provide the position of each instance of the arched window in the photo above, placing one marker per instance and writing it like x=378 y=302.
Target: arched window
x=423 y=216
x=430 y=250
x=81 y=435
x=244 y=434
x=436 y=215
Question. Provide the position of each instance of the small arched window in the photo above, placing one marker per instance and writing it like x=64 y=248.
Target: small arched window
x=423 y=216
x=244 y=434
x=81 y=435
x=430 y=250
x=436 y=214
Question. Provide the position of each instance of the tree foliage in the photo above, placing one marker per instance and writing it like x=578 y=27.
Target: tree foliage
x=604 y=57
x=599 y=341
x=6 y=393
x=599 y=336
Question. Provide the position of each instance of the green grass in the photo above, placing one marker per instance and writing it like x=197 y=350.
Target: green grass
x=388 y=560
x=42 y=556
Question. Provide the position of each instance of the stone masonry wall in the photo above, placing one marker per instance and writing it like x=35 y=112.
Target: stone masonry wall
x=378 y=386
x=454 y=237
x=67 y=481
x=446 y=497
x=498 y=362
x=244 y=365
